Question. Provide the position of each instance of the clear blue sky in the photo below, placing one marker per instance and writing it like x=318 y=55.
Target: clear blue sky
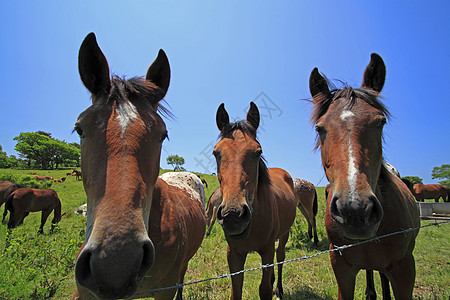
x=235 y=52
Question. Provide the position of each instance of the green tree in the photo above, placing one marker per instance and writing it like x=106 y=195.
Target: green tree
x=176 y=162
x=45 y=152
x=413 y=179
x=442 y=172
x=4 y=160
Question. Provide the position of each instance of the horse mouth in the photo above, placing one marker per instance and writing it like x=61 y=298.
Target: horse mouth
x=356 y=233
x=240 y=236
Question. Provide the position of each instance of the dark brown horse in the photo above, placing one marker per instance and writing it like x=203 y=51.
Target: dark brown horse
x=78 y=175
x=141 y=230
x=366 y=199
x=306 y=197
x=430 y=191
x=25 y=200
x=258 y=204
x=6 y=188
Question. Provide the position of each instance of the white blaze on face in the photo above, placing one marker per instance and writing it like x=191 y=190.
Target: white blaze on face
x=345 y=116
x=126 y=112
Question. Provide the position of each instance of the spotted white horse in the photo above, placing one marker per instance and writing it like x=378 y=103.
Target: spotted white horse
x=187 y=181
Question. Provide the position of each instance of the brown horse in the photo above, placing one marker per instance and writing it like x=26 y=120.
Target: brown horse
x=258 y=204
x=77 y=174
x=141 y=231
x=306 y=197
x=366 y=200
x=211 y=211
x=6 y=188
x=430 y=191
x=43 y=178
x=25 y=200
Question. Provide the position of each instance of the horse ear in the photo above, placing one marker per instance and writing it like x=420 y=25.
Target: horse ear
x=93 y=67
x=375 y=73
x=159 y=73
x=253 y=115
x=318 y=85
x=222 y=118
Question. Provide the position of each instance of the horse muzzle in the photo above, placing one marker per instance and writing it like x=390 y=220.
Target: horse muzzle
x=235 y=221
x=356 y=218
x=111 y=272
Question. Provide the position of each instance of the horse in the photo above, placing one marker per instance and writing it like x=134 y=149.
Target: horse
x=306 y=197
x=430 y=191
x=43 y=178
x=59 y=180
x=6 y=188
x=258 y=204
x=211 y=210
x=365 y=200
x=141 y=231
x=25 y=200
x=78 y=174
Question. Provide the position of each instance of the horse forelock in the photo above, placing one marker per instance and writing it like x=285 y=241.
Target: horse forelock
x=349 y=96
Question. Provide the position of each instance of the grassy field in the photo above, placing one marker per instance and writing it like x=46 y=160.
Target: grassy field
x=42 y=266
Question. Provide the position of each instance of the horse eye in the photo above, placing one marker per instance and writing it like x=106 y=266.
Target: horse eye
x=164 y=136
x=78 y=130
x=320 y=129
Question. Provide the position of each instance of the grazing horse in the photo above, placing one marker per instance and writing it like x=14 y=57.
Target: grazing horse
x=366 y=200
x=258 y=204
x=78 y=174
x=430 y=191
x=25 y=200
x=6 y=188
x=43 y=178
x=141 y=231
x=306 y=197
x=211 y=211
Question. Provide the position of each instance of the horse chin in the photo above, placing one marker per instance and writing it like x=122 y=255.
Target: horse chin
x=240 y=236
x=357 y=234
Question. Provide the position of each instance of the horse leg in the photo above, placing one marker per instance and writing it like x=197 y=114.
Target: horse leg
x=266 y=287
x=402 y=277
x=236 y=263
x=44 y=216
x=386 y=290
x=370 y=286
x=316 y=239
x=181 y=281
x=281 y=255
x=212 y=218
x=345 y=276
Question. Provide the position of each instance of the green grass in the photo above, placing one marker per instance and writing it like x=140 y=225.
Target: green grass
x=42 y=266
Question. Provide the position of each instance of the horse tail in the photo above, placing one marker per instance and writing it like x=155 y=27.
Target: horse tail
x=315 y=204
x=57 y=211
x=9 y=206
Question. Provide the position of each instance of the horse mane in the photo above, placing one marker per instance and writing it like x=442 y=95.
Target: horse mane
x=349 y=94
x=137 y=88
x=245 y=127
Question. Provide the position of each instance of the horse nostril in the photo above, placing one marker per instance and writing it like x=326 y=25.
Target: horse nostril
x=245 y=212
x=219 y=213
x=373 y=211
x=148 y=257
x=83 y=273
x=335 y=210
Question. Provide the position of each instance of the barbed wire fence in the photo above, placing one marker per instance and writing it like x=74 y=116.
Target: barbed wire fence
x=336 y=248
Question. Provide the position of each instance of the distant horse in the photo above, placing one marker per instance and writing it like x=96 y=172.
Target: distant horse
x=366 y=199
x=33 y=173
x=258 y=204
x=78 y=174
x=141 y=231
x=431 y=191
x=306 y=197
x=43 y=178
x=70 y=174
x=60 y=180
x=25 y=200
x=211 y=210
x=6 y=188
